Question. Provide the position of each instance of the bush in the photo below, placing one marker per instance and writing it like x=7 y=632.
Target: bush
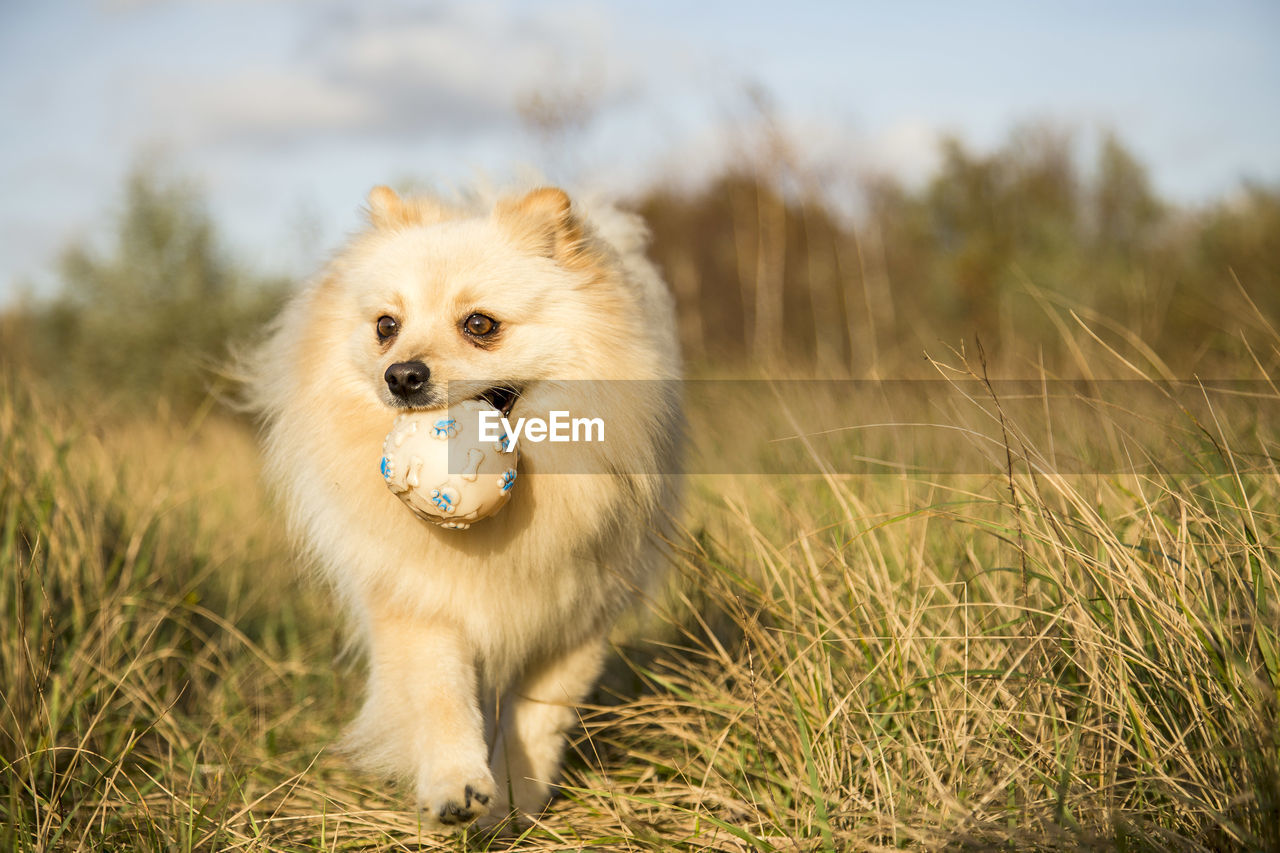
x=992 y=246
x=152 y=316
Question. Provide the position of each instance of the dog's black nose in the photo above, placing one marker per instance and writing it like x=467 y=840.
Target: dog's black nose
x=406 y=378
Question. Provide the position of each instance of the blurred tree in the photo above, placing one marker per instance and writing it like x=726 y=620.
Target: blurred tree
x=992 y=245
x=1240 y=241
x=1126 y=209
x=153 y=315
x=737 y=250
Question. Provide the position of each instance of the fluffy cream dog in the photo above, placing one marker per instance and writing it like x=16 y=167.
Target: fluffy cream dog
x=479 y=642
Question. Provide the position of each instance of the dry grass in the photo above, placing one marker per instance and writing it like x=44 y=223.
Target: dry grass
x=1022 y=660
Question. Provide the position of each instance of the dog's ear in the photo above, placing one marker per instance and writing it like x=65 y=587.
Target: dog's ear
x=388 y=210
x=543 y=223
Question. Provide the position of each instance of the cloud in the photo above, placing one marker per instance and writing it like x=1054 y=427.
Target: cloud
x=272 y=102
x=394 y=72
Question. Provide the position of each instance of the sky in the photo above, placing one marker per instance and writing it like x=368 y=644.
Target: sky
x=283 y=113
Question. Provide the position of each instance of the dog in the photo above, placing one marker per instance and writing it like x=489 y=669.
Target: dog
x=479 y=643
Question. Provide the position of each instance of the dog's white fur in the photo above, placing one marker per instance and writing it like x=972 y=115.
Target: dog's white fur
x=481 y=641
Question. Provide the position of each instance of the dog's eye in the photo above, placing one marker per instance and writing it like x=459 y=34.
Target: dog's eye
x=388 y=328
x=479 y=325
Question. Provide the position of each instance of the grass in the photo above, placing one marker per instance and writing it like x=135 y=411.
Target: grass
x=1023 y=659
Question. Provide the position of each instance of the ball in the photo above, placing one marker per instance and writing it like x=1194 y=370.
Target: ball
x=437 y=464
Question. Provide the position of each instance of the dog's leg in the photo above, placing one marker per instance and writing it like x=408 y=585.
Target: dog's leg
x=422 y=698
x=532 y=725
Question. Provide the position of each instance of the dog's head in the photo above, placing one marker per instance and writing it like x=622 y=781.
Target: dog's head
x=446 y=306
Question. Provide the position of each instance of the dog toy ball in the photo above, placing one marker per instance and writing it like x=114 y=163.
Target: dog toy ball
x=436 y=462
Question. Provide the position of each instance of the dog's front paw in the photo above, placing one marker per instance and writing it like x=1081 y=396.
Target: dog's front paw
x=453 y=800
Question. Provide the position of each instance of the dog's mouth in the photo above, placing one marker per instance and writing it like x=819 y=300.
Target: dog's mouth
x=501 y=397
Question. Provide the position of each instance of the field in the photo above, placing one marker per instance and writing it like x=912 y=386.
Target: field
x=1023 y=659
x=1016 y=656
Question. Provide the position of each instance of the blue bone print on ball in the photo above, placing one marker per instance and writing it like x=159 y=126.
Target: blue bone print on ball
x=442 y=499
x=508 y=480
x=386 y=468
x=446 y=428
x=504 y=442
